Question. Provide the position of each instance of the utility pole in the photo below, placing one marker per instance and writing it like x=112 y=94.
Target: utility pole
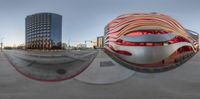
x=92 y=42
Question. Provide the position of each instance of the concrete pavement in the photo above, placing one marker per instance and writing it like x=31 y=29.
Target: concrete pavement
x=180 y=83
x=104 y=70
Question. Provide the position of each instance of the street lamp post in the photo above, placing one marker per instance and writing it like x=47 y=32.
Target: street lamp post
x=1 y=44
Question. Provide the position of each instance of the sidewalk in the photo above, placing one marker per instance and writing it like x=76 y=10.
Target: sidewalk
x=104 y=70
x=7 y=73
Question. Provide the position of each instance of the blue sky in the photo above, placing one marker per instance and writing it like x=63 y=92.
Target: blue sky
x=86 y=19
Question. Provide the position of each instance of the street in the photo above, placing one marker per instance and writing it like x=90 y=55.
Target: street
x=46 y=66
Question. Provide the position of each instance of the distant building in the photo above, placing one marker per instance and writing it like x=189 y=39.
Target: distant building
x=64 y=46
x=100 y=42
x=43 y=31
x=81 y=45
x=21 y=46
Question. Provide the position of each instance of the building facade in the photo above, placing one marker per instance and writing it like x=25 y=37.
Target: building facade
x=195 y=38
x=149 y=42
x=43 y=31
x=100 y=42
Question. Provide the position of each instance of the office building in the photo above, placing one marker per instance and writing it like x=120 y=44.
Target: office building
x=100 y=42
x=43 y=31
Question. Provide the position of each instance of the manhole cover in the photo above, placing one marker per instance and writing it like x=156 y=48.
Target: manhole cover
x=61 y=71
x=106 y=64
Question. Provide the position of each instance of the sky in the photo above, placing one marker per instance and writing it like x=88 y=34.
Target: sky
x=86 y=19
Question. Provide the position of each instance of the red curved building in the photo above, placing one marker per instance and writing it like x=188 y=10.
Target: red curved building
x=149 y=42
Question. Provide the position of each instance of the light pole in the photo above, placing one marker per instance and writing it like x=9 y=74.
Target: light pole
x=69 y=43
x=1 y=44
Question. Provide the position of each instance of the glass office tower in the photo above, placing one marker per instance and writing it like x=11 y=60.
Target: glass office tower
x=43 y=31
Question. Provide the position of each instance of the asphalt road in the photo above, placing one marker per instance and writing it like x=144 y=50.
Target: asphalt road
x=54 y=66
x=180 y=83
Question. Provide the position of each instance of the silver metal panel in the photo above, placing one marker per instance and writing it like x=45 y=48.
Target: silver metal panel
x=149 y=54
x=149 y=38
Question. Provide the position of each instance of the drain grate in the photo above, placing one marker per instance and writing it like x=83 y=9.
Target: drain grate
x=61 y=71
x=106 y=64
